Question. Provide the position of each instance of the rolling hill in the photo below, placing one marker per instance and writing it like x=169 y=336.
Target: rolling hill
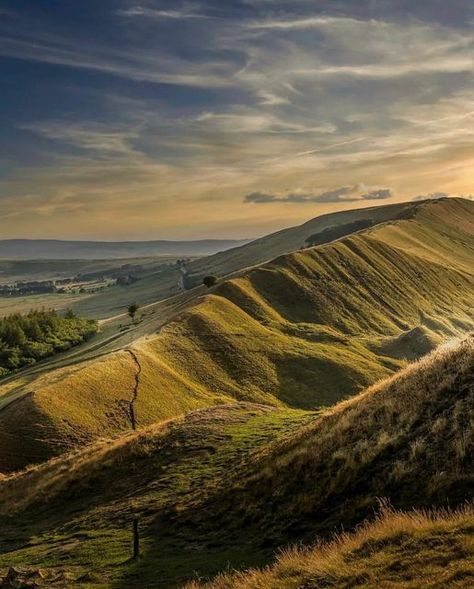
x=294 y=238
x=230 y=484
x=303 y=331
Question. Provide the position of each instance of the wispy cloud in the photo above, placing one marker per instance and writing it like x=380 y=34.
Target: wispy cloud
x=335 y=195
x=272 y=100
x=147 y=12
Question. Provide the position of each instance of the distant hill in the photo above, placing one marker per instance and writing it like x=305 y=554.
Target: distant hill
x=294 y=238
x=303 y=331
x=223 y=487
x=99 y=250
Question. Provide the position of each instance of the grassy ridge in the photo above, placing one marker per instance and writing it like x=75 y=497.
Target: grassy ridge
x=231 y=483
x=294 y=238
x=92 y=495
x=409 y=438
x=305 y=331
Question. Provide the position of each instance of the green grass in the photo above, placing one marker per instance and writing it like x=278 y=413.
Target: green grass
x=304 y=331
x=76 y=512
x=226 y=487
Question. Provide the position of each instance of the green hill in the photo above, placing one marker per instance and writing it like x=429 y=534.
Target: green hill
x=303 y=331
x=229 y=485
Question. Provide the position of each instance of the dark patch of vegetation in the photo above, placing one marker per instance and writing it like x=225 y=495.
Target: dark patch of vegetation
x=25 y=339
x=332 y=233
x=132 y=310
x=209 y=281
x=20 y=289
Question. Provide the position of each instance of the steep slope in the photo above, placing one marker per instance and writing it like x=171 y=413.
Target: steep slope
x=73 y=515
x=409 y=438
x=294 y=238
x=441 y=231
x=229 y=485
x=399 y=550
x=305 y=331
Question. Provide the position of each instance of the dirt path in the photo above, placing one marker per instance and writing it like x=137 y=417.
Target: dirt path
x=131 y=408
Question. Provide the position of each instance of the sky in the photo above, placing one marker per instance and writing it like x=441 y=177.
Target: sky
x=151 y=119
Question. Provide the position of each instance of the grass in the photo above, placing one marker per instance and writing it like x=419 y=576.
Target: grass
x=227 y=486
x=409 y=438
x=304 y=331
x=399 y=550
x=93 y=494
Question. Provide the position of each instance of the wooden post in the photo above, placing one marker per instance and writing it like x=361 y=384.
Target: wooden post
x=136 y=540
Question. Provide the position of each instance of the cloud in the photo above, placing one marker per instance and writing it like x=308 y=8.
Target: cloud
x=336 y=195
x=152 y=66
x=93 y=137
x=380 y=194
x=159 y=14
x=260 y=197
x=310 y=22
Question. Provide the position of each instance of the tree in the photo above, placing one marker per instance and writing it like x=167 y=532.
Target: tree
x=132 y=311
x=209 y=281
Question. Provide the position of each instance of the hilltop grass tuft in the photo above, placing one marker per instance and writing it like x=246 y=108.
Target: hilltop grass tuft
x=399 y=550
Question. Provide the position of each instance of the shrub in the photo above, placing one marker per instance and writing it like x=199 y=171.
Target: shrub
x=209 y=281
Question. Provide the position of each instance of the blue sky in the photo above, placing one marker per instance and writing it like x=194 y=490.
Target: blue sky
x=227 y=118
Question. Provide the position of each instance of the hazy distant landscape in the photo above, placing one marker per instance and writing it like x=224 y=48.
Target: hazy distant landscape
x=236 y=294
x=95 y=250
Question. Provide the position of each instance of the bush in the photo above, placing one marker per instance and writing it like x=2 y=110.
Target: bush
x=209 y=281
x=25 y=339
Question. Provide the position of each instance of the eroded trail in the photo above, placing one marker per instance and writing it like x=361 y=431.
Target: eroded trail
x=131 y=403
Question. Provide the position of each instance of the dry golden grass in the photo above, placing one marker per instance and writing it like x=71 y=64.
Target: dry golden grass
x=430 y=549
x=236 y=482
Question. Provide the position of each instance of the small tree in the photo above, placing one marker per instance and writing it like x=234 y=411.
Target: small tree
x=209 y=281
x=132 y=311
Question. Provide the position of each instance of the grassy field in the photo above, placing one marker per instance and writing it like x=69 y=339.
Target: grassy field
x=303 y=331
x=158 y=279
x=227 y=486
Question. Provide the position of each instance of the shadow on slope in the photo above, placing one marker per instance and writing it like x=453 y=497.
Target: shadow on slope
x=408 y=439
x=305 y=330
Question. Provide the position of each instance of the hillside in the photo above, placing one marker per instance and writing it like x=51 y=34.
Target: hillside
x=237 y=259
x=97 y=250
x=294 y=238
x=231 y=484
x=409 y=438
x=399 y=550
x=303 y=331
